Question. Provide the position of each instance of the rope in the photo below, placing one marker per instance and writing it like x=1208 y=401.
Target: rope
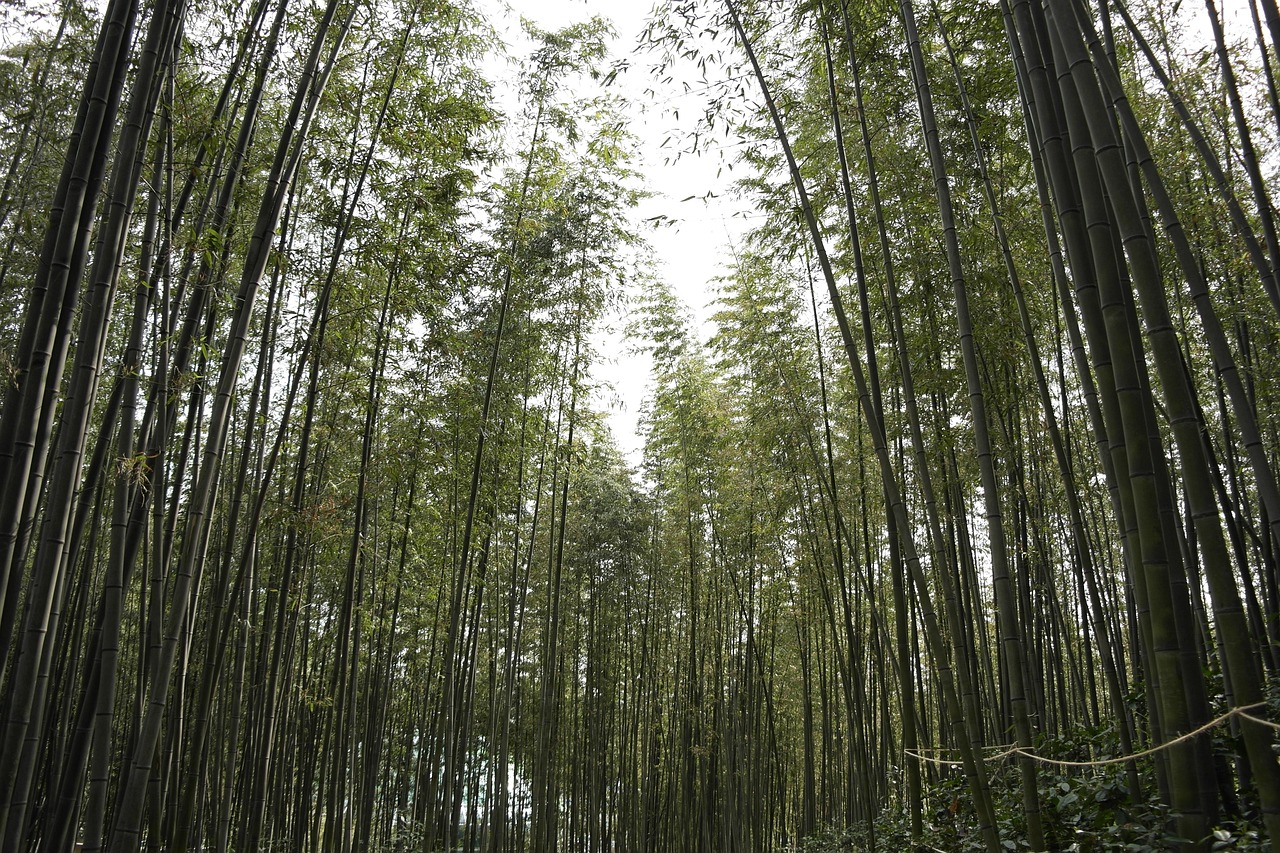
x=1251 y=718
x=1026 y=753
x=1002 y=752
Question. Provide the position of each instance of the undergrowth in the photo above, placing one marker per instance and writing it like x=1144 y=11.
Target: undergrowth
x=1084 y=810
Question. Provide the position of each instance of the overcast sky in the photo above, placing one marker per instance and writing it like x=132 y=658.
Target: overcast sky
x=691 y=253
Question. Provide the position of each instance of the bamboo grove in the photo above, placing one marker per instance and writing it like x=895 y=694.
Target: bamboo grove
x=959 y=531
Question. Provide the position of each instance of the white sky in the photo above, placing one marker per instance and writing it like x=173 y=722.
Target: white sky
x=688 y=254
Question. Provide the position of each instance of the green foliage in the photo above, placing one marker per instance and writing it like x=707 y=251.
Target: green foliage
x=701 y=654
